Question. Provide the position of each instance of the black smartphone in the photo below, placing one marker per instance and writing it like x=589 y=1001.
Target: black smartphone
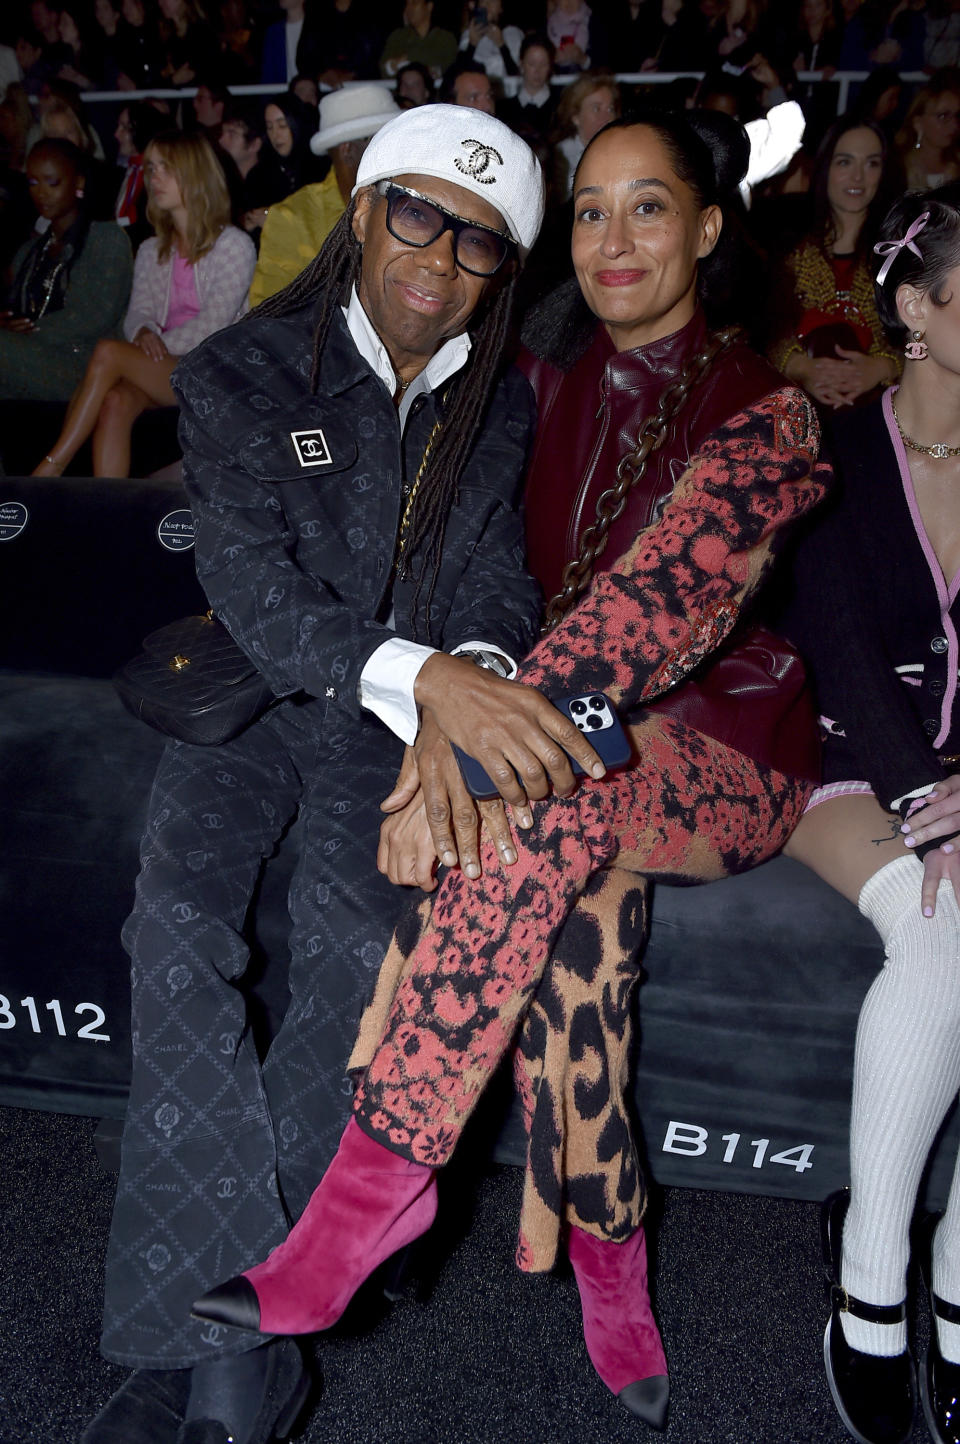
x=594 y=715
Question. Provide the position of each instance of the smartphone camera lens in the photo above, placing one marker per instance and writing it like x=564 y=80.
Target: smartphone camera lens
x=578 y=708
x=593 y=721
x=596 y=703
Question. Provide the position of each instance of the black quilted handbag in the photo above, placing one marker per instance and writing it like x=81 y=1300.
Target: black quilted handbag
x=193 y=682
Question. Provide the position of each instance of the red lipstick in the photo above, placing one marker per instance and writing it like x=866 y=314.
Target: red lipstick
x=618 y=278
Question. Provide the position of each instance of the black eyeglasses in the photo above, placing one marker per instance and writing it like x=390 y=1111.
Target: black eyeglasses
x=417 y=221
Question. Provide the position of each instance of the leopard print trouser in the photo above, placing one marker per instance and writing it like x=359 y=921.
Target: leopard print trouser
x=550 y=947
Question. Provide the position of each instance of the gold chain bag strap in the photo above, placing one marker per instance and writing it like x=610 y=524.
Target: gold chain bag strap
x=751 y=695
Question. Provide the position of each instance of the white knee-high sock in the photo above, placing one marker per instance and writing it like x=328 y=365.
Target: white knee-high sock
x=906 y=1073
x=946 y=1267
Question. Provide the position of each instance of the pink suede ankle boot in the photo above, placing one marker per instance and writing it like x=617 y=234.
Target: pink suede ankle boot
x=369 y=1203
x=622 y=1337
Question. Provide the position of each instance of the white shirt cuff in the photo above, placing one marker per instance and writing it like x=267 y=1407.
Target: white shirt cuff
x=388 y=677
x=386 y=685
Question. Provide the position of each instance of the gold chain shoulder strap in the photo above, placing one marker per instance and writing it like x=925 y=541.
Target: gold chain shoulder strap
x=577 y=573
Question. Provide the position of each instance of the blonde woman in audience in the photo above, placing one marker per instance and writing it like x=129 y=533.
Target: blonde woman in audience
x=189 y=280
x=928 y=140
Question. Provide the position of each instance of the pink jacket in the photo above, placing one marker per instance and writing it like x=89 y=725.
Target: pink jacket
x=222 y=277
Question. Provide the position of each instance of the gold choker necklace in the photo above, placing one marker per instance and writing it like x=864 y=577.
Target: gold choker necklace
x=938 y=450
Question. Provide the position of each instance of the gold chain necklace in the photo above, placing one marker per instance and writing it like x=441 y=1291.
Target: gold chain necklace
x=939 y=451
x=403 y=534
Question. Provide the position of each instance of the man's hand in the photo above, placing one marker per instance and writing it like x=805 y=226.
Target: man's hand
x=517 y=736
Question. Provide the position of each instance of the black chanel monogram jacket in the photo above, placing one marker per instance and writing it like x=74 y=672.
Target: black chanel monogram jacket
x=298 y=499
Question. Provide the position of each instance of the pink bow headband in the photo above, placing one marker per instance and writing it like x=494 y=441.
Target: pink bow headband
x=892 y=249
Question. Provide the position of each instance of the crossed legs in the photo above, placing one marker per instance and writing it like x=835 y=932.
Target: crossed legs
x=121 y=381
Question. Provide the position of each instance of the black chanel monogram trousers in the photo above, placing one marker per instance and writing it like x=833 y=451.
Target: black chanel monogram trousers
x=220 y=1151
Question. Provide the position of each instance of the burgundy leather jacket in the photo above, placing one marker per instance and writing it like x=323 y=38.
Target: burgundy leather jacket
x=589 y=417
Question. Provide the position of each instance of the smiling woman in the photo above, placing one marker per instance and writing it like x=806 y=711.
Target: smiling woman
x=829 y=337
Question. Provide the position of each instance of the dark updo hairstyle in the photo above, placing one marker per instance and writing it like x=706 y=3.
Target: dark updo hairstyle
x=710 y=152
x=938 y=244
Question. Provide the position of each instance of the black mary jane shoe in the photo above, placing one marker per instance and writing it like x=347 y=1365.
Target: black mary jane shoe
x=875 y=1395
x=940 y=1380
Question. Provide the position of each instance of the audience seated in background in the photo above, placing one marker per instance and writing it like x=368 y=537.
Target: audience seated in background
x=568 y=26
x=585 y=107
x=829 y=339
x=137 y=124
x=138 y=52
x=278 y=63
x=209 y=105
x=419 y=39
x=70 y=285
x=241 y=145
x=342 y=40
x=532 y=110
x=489 y=42
x=467 y=83
x=286 y=158
x=190 y=280
x=188 y=46
x=295 y=229
x=927 y=141
x=414 y=85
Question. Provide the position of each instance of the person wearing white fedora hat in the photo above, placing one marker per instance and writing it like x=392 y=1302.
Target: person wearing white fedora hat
x=353 y=454
x=295 y=229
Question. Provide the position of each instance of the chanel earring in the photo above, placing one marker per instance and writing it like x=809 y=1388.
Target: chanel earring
x=915 y=349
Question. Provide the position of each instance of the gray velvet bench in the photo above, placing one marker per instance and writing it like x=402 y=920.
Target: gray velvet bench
x=751 y=986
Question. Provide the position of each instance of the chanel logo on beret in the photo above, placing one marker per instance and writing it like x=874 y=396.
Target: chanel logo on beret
x=311 y=448
x=479 y=161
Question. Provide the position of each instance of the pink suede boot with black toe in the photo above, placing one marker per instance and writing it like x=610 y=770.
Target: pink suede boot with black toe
x=621 y=1334
x=369 y=1204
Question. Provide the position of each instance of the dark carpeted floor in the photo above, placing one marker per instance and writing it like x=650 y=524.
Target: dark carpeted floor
x=490 y=1356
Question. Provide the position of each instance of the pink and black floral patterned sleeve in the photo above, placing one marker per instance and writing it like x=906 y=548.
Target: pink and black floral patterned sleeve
x=667 y=603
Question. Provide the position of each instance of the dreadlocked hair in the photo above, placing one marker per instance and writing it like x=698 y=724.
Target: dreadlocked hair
x=464 y=407
x=329 y=279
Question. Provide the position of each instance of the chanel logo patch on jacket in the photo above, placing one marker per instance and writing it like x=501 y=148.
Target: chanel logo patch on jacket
x=311 y=448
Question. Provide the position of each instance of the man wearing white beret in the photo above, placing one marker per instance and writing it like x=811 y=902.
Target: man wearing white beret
x=353 y=453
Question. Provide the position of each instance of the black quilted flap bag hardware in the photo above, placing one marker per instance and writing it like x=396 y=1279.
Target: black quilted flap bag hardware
x=193 y=682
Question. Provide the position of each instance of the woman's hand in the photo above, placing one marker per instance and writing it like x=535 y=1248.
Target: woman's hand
x=406 y=853
x=939 y=817
x=150 y=344
x=820 y=377
x=863 y=373
x=255 y=219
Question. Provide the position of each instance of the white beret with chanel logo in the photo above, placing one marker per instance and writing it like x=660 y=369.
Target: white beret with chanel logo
x=468 y=147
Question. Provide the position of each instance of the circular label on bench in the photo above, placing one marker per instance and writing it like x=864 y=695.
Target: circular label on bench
x=13 y=519
x=175 y=532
